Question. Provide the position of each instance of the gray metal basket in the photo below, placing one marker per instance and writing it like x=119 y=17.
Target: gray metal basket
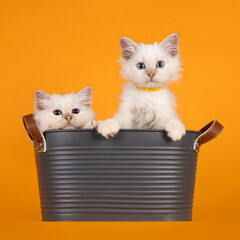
x=139 y=175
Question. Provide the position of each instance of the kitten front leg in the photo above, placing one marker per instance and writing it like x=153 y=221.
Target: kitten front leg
x=175 y=128
x=90 y=125
x=108 y=128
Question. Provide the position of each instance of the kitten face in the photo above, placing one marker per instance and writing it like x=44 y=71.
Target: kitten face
x=68 y=111
x=150 y=65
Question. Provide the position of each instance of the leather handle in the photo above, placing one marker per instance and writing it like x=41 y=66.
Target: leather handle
x=208 y=132
x=34 y=133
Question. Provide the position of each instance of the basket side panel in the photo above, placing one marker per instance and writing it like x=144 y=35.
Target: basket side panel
x=98 y=183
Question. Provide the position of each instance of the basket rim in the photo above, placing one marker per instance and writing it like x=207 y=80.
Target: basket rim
x=121 y=130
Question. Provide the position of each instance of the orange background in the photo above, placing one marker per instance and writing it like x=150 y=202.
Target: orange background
x=61 y=46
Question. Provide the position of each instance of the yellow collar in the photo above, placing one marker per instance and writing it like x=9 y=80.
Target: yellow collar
x=150 y=89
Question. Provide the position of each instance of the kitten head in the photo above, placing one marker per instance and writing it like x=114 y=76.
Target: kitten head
x=63 y=111
x=150 y=65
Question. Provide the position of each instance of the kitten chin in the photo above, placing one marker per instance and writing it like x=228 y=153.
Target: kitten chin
x=145 y=101
x=69 y=127
x=69 y=111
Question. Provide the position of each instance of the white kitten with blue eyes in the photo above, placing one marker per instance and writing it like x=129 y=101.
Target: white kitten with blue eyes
x=146 y=103
x=70 y=111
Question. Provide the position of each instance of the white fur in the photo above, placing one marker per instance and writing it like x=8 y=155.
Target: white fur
x=47 y=120
x=141 y=109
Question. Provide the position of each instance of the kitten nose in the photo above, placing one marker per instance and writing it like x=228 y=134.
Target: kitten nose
x=151 y=72
x=68 y=117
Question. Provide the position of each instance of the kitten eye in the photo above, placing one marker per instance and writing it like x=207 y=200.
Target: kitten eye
x=57 y=112
x=75 y=111
x=160 y=64
x=141 y=66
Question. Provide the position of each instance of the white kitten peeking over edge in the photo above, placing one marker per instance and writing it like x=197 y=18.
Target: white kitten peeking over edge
x=146 y=103
x=69 y=111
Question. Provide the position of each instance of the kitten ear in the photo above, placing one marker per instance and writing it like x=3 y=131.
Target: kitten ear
x=41 y=98
x=128 y=47
x=170 y=44
x=85 y=96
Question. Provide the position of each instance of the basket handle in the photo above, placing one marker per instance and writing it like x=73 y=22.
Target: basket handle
x=34 y=133
x=208 y=132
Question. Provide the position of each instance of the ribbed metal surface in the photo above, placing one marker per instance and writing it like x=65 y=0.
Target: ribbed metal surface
x=136 y=176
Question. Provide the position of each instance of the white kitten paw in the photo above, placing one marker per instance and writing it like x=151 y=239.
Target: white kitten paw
x=90 y=125
x=175 y=129
x=108 y=128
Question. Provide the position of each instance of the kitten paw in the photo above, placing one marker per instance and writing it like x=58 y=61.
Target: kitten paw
x=108 y=128
x=90 y=125
x=175 y=129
